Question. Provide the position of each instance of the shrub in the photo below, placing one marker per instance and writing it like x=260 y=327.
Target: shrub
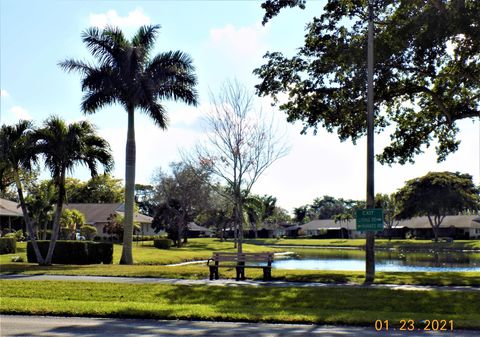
x=162 y=243
x=100 y=252
x=74 y=252
x=88 y=231
x=8 y=245
x=18 y=235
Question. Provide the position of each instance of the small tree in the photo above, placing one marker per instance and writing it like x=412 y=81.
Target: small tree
x=436 y=195
x=181 y=197
x=88 y=231
x=70 y=220
x=241 y=145
x=390 y=210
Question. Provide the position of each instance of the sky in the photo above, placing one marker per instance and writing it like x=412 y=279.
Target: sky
x=226 y=41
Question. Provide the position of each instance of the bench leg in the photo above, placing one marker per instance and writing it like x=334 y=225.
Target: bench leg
x=267 y=274
x=212 y=272
x=240 y=273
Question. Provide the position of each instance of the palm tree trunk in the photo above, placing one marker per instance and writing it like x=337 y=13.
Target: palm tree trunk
x=130 y=158
x=56 y=219
x=26 y=217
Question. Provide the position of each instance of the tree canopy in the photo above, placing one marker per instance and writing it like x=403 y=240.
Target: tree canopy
x=436 y=195
x=427 y=71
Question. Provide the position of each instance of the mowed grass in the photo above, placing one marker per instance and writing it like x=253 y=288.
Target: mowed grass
x=259 y=304
x=146 y=254
x=200 y=249
x=379 y=243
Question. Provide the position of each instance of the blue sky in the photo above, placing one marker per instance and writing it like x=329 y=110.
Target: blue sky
x=225 y=40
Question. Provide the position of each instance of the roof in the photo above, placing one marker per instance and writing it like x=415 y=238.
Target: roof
x=329 y=224
x=10 y=208
x=97 y=212
x=192 y=226
x=458 y=221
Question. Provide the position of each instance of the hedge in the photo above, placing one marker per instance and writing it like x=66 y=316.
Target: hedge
x=162 y=243
x=74 y=252
x=8 y=245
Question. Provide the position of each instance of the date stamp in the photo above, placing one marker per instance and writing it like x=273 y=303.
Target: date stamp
x=411 y=325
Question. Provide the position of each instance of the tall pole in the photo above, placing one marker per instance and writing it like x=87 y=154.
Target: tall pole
x=370 y=244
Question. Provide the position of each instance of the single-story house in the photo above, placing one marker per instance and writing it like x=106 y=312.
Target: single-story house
x=195 y=231
x=11 y=216
x=455 y=226
x=98 y=215
x=328 y=229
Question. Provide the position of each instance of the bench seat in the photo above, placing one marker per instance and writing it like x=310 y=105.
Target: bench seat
x=240 y=261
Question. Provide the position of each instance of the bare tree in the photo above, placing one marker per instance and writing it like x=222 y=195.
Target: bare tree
x=240 y=145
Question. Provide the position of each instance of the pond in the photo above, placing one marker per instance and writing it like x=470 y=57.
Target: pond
x=396 y=261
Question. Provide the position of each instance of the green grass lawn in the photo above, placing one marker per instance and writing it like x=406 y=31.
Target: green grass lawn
x=307 y=305
x=380 y=243
x=146 y=254
x=148 y=260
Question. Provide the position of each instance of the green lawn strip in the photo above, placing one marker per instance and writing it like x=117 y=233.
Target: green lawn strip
x=379 y=243
x=293 y=305
x=145 y=253
x=202 y=272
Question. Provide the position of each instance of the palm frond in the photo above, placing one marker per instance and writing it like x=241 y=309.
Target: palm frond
x=92 y=101
x=157 y=113
x=144 y=39
x=75 y=65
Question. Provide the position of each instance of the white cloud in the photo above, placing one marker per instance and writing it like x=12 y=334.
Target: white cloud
x=134 y=18
x=20 y=113
x=239 y=42
x=4 y=93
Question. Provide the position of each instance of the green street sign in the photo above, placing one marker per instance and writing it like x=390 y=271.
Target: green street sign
x=370 y=220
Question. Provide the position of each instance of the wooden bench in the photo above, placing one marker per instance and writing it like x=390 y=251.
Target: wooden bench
x=240 y=261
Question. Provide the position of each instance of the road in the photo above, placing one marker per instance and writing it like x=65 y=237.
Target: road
x=82 y=326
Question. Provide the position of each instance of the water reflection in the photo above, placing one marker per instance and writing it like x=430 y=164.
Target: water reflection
x=385 y=261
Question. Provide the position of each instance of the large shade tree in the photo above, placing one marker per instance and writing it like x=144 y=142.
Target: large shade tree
x=125 y=74
x=427 y=70
x=63 y=147
x=436 y=195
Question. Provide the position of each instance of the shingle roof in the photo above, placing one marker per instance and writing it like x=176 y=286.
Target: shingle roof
x=9 y=208
x=192 y=226
x=95 y=213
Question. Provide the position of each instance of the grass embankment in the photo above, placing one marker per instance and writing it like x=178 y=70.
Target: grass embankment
x=379 y=243
x=308 y=305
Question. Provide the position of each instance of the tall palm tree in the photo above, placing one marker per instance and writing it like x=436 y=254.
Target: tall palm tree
x=125 y=74
x=17 y=155
x=64 y=146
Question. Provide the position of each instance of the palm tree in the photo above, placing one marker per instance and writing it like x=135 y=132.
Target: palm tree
x=17 y=155
x=126 y=75
x=63 y=147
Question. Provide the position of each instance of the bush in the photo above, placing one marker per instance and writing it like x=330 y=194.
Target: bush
x=8 y=245
x=162 y=243
x=18 y=235
x=101 y=252
x=88 y=231
x=74 y=252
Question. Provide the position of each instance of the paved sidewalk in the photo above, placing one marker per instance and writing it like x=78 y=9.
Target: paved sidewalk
x=227 y=282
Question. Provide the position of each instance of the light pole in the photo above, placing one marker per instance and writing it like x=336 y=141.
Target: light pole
x=370 y=242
